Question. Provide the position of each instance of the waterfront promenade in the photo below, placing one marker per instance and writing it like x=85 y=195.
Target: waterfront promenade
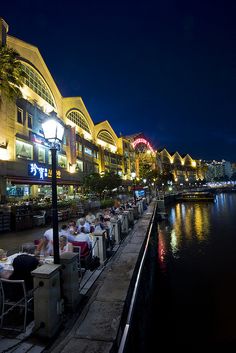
x=95 y=326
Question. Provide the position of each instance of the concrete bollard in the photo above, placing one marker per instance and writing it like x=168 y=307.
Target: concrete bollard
x=140 y=208
x=70 y=279
x=100 y=245
x=131 y=216
x=116 y=229
x=136 y=213
x=48 y=305
x=125 y=223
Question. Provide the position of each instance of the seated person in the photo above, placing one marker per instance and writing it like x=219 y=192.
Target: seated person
x=84 y=237
x=98 y=225
x=23 y=265
x=83 y=226
x=45 y=246
x=72 y=227
x=64 y=245
x=90 y=218
x=64 y=230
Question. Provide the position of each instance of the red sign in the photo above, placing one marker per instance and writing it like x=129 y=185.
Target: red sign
x=145 y=142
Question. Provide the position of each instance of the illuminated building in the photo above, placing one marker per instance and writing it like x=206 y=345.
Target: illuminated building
x=183 y=167
x=25 y=160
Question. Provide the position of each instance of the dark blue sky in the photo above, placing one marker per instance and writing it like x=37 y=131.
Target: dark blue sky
x=164 y=67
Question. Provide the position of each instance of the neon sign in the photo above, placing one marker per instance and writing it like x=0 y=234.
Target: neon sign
x=145 y=142
x=41 y=172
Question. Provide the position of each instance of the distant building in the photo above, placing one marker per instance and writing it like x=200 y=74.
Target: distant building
x=217 y=170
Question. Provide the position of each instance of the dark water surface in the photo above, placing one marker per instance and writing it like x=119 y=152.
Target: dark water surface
x=195 y=294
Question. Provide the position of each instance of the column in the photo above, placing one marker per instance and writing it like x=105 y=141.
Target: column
x=48 y=305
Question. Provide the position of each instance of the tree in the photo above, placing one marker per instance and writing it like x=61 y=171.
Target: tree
x=98 y=184
x=11 y=73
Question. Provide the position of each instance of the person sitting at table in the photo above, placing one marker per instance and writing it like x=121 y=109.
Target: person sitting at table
x=64 y=230
x=90 y=218
x=83 y=226
x=84 y=237
x=45 y=246
x=23 y=265
x=64 y=245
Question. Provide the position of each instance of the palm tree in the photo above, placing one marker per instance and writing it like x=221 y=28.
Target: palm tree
x=11 y=73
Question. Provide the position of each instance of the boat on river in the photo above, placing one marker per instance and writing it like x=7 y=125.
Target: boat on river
x=196 y=196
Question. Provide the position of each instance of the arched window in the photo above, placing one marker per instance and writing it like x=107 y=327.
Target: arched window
x=105 y=136
x=79 y=120
x=34 y=81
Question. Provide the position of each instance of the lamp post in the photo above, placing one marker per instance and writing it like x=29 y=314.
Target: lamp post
x=53 y=132
x=133 y=176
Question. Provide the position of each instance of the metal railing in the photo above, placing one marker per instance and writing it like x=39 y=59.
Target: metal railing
x=126 y=330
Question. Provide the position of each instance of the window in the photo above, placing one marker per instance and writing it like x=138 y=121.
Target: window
x=41 y=154
x=88 y=151
x=20 y=118
x=49 y=157
x=95 y=154
x=34 y=81
x=62 y=161
x=30 y=121
x=105 y=136
x=78 y=118
x=24 y=150
x=79 y=166
x=79 y=147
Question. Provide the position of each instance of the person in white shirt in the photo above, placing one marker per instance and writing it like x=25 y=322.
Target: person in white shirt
x=84 y=237
x=90 y=218
x=64 y=245
x=49 y=234
x=64 y=230
x=83 y=226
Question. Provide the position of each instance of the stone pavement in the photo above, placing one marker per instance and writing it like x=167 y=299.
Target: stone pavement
x=95 y=327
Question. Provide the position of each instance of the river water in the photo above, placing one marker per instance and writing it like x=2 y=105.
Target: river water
x=195 y=295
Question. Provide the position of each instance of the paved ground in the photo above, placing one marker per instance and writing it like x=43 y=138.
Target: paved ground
x=12 y=241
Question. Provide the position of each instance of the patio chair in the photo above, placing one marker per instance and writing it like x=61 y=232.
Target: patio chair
x=14 y=294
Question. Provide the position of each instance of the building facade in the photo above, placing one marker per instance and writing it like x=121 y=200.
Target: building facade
x=25 y=157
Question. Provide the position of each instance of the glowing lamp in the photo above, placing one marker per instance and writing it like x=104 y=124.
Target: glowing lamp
x=53 y=130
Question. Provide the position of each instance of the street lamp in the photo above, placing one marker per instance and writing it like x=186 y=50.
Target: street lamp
x=53 y=132
x=133 y=176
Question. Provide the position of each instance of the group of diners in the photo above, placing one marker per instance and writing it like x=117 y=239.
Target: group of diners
x=82 y=230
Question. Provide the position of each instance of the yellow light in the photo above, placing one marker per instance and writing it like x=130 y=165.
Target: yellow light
x=87 y=136
x=72 y=168
x=182 y=162
x=4 y=154
x=194 y=163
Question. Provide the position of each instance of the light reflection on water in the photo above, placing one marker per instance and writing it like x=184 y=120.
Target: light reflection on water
x=188 y=224
x=197 y=279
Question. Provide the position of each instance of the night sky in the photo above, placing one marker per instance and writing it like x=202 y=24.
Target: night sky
x=165 y=68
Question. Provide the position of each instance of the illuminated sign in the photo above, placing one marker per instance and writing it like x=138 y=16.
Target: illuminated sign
x=145 y=142
x=41 y=172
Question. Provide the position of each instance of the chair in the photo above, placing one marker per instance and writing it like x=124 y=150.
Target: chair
x=85 y=252
x=14 y=294
x=39 y=219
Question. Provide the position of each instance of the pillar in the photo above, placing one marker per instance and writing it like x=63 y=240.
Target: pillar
x=70 y=279
x=116 y=229
x=48 y=305
x=100 y=245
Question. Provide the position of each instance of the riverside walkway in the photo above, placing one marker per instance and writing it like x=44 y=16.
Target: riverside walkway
x=96 y=325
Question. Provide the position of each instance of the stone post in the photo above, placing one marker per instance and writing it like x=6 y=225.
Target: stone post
x=100 y=245
x=140 y=208
x=70 y=279
x=125 y=223
x=116 y=229
x=48 y=305
x=131 y=216
x=136 y=213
